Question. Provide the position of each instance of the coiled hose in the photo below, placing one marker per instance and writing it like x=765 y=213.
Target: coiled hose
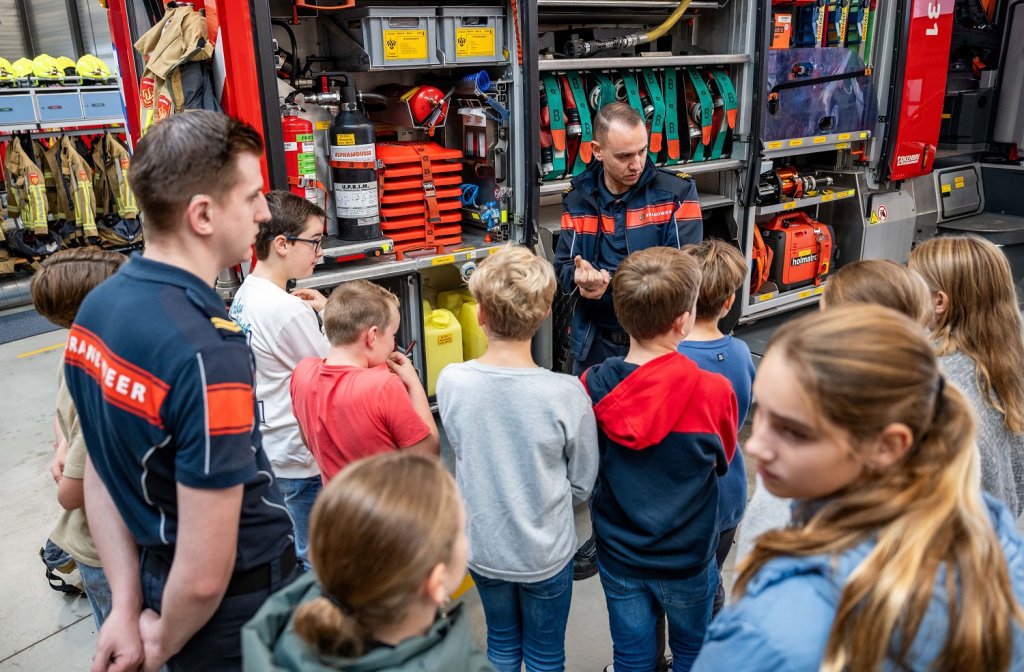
x=584 y=48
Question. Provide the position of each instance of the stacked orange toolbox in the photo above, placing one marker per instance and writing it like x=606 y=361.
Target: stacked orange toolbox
x=420 y=185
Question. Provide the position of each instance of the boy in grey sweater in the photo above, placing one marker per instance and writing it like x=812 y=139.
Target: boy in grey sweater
x=525 y=443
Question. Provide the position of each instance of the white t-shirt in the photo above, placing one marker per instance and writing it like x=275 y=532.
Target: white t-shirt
x=282 y=330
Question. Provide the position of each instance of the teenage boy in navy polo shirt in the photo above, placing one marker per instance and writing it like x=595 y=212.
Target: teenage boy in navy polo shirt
x=177 y=484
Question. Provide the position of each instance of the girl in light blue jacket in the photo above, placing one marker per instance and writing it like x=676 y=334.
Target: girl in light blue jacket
x=894 y=559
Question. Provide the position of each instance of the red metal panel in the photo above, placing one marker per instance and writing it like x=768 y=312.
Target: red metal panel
x=924 y=88
x=240 y=97
x=121 y=37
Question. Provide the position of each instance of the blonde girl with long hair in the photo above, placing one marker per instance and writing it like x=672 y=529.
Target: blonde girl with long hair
x=894 y=560
x=978 y=336
x=878 y=282
x=388 y=546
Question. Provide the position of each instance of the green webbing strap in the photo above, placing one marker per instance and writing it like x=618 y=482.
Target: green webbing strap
x=606 y=90
x=869 y=30
x=557 y=116
x=579 y=94
x=728 y=95
x=658 y=123
x=671 y=118
x=707 y=110
x=633 y=93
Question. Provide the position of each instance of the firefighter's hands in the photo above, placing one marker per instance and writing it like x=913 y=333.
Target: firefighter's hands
x=152 y=641
x=592 y=282
x=119 y=648
x=402 y=366
x=313 y=298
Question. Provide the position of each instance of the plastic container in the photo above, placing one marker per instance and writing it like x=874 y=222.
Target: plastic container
x=453 y=299
x=474 y=340
x=399 y=37
x=428 y=292
x=442 y=335
x=471 y=35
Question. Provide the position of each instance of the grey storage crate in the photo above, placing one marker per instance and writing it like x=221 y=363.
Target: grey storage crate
x=472 y=35
x=102 y=104
x=399 y=37
x=17 y=109
x=59 y=106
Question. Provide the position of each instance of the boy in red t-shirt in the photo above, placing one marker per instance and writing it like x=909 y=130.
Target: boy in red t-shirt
x=365 y=398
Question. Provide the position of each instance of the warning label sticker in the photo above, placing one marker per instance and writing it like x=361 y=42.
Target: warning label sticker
x=403 y=45
x=358 y=199
x=470 y=42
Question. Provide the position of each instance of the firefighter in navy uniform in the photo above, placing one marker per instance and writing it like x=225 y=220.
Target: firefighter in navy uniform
x=188 y=520
x=621 y=204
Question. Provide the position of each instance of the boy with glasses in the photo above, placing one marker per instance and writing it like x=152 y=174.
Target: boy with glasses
x=284 y=328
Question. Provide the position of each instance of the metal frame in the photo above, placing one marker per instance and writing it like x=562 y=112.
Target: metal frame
x=120 y=15
x=76 y=28
x=26 y=25
x=528 y=25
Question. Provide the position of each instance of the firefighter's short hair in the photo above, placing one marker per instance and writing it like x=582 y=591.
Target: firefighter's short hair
x=618 y=113
x=194 y=152
x=514 y=288
x=723 y=269
x=66 y=277
x=289 y=215
x=353 y=307
x=653 y=287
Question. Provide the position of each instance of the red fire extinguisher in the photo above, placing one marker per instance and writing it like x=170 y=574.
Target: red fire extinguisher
x=300 y=156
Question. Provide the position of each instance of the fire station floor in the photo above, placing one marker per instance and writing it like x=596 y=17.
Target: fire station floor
x=41 y=629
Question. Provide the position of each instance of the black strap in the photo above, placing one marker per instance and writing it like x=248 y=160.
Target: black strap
x=773 y=94
x=249 y=580
x=62 y=586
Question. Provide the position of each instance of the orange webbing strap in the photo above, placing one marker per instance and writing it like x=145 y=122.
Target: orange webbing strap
x=433 y=217
x=824 y=238
x=762 y=257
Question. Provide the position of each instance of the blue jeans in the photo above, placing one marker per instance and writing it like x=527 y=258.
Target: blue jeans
x=97 y=590
x=526 y=621
x=299 y=495
x=632 y=610
x=217 y=646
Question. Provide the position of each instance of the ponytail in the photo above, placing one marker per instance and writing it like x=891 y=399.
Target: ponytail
x=328 y=629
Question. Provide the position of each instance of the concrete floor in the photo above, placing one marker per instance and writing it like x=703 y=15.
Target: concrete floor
x=41 y=629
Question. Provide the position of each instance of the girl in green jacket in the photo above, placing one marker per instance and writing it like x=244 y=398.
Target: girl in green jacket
x=387 y=546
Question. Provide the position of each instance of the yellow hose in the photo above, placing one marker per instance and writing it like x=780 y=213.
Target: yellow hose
x=668 y=23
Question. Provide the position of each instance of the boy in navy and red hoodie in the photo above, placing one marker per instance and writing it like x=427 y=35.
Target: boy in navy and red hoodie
x=667 y=431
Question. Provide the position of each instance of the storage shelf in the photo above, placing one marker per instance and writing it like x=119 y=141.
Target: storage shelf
x=59 y=107
x=813 y=143
x=627 y=62
x=711 y=201
x=768 y=301
x=472 y=247
x=693 y=168
x=824 y=197
x=334 y=248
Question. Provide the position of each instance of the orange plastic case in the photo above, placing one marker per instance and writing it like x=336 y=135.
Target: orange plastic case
x=417 y=213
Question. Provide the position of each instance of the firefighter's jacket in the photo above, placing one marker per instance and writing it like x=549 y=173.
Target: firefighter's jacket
x=27 y=189
x=176 y=76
